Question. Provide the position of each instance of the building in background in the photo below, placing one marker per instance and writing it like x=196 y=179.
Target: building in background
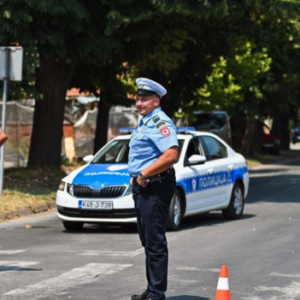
x=81 y=112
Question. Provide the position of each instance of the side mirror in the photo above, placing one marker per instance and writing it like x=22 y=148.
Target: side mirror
x=196 y=160
x=88 y=158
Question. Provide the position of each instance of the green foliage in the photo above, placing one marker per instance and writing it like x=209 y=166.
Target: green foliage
x=237 y=55
x=233 y=77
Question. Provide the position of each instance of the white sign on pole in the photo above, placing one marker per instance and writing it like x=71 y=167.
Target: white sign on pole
x=15 y=63
x=11 y=61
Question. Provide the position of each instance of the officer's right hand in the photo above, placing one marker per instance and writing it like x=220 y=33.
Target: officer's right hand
x=143 y=182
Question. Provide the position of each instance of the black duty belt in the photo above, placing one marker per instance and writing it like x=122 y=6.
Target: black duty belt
x=159 y=177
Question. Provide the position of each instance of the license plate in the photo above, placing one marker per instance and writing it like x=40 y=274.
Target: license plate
x=107 y=205
x=268 y=145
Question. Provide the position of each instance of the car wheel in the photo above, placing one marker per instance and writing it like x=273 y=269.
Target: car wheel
x=275 y=151
x=175 y=214
x=73 y=226
x=236 y=205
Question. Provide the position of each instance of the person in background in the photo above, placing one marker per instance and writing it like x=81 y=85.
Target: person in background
x=153 y=151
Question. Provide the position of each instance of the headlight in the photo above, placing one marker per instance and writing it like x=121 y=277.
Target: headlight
x=70 y=189
x=128 y=191
x=61 y=186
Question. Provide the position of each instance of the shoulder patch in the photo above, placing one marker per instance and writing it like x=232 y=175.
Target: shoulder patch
x=156 y=119
x=160 y=124
x=165 y=131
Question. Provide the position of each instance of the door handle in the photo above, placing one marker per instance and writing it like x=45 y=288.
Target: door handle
x=231 y=167
x=210 y=171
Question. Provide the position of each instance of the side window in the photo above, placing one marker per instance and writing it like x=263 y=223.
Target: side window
x=215 y=149
x=194 y=147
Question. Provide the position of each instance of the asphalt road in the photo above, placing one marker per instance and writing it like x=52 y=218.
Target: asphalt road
x=39 y=260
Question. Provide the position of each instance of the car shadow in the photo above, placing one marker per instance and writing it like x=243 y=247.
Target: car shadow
x=191 y=222
x=105 y=228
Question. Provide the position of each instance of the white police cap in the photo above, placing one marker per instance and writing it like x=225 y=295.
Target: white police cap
x=149 y=87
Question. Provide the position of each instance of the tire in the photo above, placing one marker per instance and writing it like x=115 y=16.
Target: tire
x=175 y=213
x=275 y=151
x=73 y=226
x=236 y=205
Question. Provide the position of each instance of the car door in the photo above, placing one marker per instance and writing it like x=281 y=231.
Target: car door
x=197 y=195
x=218 y=171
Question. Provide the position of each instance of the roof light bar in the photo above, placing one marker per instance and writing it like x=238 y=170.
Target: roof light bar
x=185 y=129
x=126 y=130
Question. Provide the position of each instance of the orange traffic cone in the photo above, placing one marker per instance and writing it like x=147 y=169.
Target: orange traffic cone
x=223 y=292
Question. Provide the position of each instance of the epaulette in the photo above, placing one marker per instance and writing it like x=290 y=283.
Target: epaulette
x=156 y=119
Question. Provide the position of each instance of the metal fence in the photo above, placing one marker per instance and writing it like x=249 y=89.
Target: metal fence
x=78 y=138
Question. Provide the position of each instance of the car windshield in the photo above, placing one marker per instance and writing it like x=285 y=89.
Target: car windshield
x=209 y=120
x=117 y=152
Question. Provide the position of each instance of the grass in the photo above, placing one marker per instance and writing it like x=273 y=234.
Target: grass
x=26 y=187
x=265 y=158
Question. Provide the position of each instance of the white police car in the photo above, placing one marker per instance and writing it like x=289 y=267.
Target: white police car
x=210 y=176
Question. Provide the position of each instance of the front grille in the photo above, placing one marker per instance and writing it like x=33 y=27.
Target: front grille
x=106 y=192
x=93 y=213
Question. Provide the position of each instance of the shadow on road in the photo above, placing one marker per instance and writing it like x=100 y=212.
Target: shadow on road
x=268 y=171
x=201 y=220
x=17 y=268
x=103 y=228
x=186 y=297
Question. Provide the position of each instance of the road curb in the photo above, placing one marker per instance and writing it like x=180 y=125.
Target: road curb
x=278 y=162
x=27 y=211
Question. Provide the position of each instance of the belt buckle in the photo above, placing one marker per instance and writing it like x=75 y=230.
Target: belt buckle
x=160 y=178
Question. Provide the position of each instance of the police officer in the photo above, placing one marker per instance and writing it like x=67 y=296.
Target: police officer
x=153 y=151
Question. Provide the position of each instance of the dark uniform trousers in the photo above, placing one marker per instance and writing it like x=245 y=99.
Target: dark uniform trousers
x=152 y=207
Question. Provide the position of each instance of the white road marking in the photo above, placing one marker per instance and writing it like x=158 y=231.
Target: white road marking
x=197 y=269
x=170 y=237
x=289 y=292
x=79 y=276
x=285 y=275
x=113 y=253
x=188 y=269
x=9 y=252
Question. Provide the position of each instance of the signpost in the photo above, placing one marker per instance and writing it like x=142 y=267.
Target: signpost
x=11 y=61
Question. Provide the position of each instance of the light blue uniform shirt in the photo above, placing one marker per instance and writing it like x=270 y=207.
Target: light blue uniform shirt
x=156 y=133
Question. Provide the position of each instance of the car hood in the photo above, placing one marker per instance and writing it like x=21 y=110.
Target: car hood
x=100 y=175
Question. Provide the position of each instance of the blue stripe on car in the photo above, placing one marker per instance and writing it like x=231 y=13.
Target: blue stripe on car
x=204 y=182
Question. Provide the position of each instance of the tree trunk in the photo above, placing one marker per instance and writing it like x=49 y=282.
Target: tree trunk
x=102 y=123
x=251 y=141
x=280 y=127
x=52 y=79
x=238 y=129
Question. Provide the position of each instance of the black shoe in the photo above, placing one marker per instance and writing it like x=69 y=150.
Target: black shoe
x=143 y=296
